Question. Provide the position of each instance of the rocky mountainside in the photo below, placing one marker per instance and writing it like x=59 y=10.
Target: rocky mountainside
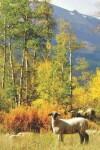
x=83 y=27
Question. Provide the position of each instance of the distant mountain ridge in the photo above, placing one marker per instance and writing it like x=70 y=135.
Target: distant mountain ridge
x=83 y=27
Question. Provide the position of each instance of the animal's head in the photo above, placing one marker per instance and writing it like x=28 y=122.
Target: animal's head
x=54 y=115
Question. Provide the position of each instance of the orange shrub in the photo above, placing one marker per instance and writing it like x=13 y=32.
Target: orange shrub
x=31 y=118
x=43 y=109
x=22 y=119
x=17 y=120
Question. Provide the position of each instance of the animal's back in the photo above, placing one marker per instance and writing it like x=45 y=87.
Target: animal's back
x=74 y=120
x=73 y=125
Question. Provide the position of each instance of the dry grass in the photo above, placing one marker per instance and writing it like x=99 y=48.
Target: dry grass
x=48 y=141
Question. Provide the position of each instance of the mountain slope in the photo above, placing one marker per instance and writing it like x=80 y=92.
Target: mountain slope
x=83 y=27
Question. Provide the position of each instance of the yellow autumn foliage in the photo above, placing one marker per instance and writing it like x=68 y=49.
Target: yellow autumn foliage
x=81 y=98
x=94 y=89
x=88 y=96
x=95 y=86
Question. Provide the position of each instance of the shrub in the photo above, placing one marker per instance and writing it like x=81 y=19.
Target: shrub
x=31 y=118
x=22 y=119
x=43 y=109
x=17 y=120
x=33 y=123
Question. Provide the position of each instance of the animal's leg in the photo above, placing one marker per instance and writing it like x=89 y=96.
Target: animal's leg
x=86 y=136
x=60 y=137
x=81 y=138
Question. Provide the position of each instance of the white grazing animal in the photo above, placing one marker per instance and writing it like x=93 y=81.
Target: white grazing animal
x=15 y=137
x=69 y=126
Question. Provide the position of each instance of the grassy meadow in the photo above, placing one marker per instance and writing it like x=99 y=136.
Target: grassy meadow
x=48 y=141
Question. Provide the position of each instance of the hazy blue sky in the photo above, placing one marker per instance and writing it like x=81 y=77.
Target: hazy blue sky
x=83 y=6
